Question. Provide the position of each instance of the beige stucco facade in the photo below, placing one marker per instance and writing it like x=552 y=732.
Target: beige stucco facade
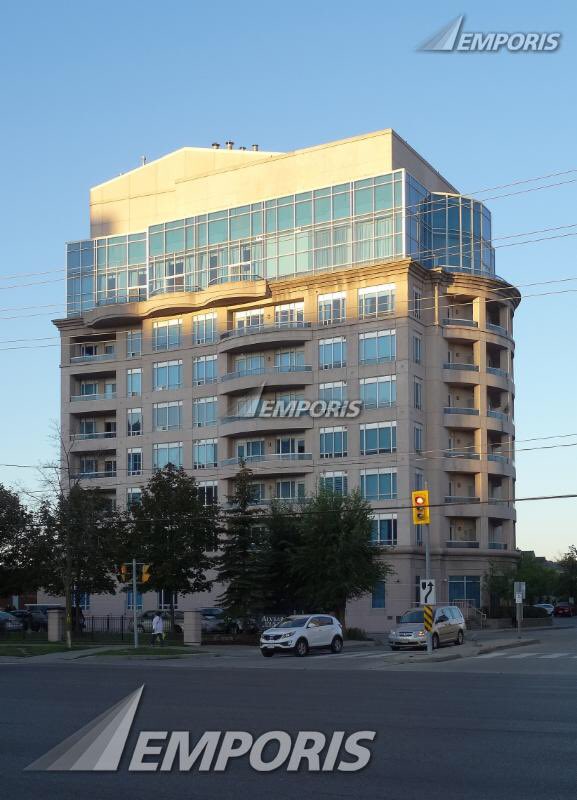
x=455 y=343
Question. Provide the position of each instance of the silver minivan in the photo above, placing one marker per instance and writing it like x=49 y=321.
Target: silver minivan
x=448 y=628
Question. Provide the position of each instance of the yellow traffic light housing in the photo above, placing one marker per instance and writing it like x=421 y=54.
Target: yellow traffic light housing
x=124 y=575
x=145 y=574
x=420 y=503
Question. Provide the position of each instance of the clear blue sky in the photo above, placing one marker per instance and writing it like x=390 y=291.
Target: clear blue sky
x=88 y=88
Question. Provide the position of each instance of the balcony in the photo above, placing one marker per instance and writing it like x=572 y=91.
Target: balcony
x=88 y=358
x=500 y=373
x=90 y=397
x=492 y=327
x=469 y=323
x=85 y=476
x=452 y=498
x=236 y=426
x=499 y=458
x=473 y=412
x=463 y=374
x=82 y=437
x=456 y=544
x=464 y=367
x=258 y=336
x=462 y=454
x=498 y=546
x=464 y=418
x=278 y=377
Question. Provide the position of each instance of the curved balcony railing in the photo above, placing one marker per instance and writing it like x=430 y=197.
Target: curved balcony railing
x=498 y=457
x=465 y=543
x=453 y=498
x=462 y=454
x=471 y=323
x=494 y=328
x=498 y=546
x=263 y=371
x=496 y=414
x=501 y=373
x=277 y=326
x=473 y=412
x=465 y=367
x=285 y=457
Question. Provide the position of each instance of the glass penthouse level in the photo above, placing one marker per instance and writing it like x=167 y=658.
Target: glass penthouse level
x=386 y=217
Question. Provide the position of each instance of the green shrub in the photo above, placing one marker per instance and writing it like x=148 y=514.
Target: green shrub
x=356 y=634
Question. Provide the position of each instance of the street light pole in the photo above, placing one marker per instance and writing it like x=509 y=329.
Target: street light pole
x=134 y=623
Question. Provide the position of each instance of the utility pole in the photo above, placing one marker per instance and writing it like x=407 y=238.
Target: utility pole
x=422 y=516
x=427 y=528
x=134 y=615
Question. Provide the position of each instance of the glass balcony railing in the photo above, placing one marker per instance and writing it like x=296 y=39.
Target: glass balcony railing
x=465 y=367
x=498 y=546
x=502 y=373
x=87 y=397
x=473 y=412
x=498 y=457
x=462 y=454
x=464 y=543
x=492 y=326
x=277 y=326
x=471 y=323
x=453 y=498
x=80 y=437
x=496 y=414
x=82 y=358
x=270 y=457
x=262 y=370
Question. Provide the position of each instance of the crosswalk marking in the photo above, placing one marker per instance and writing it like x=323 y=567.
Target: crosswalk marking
x=523 y=655
x=490 y=655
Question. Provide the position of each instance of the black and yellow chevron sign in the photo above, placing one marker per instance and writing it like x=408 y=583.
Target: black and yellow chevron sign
x=428 y=611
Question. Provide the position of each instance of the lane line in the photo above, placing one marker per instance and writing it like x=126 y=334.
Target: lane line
x=492 y=655
x=554 y=655
x=522 y=655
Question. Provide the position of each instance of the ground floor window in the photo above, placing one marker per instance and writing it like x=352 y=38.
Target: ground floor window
x=129 y=606
x=465 y=587
x=163 y=600
x=81 y=600
x=378 y=596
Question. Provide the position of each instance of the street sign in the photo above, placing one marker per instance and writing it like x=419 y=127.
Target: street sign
x=519 y=598
x=428 y=592
x=519 y=588
x=428 y=612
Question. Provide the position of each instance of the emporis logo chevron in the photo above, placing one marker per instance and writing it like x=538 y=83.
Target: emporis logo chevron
x=99 y=746
x=452 y=39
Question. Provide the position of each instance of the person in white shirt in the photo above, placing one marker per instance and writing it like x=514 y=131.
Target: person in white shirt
x=157 y=629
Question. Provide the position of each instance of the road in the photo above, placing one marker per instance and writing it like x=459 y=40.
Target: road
x=501 y=727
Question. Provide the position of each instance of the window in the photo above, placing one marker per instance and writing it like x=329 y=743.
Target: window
x=88 y=466
x=418 y=438
x=384 y=529
x=88 y=389
x=129 y=606
x=134 y=461
x=247 y=406
x=166 y=334
x=204 y=328
x=416 y=305
x=133 y=344
x=378 y=595
x=289 y=360
x=208 y=492
x=258 y=494
x=163 y=600
x=418 y=393
x=167 y=375
x=290 y=490
x=164 y=454
x=167 y=416
x=332 y=308
x=110 y=389
x=290 y=314
x=134 y=421
x=288 y=445
x=251 y=450
x=81 y=600
x=204 y=454
x=204 y=411
x=376 y=301
x=249 y=320
x=419 y=480
x=204 y=370
x=336 y=482
x=337 y=390
x=249 y=365
x=133 y=382
x=133 y=496
x=465 y=587
x=379 y=392
x=333 y=442
x=333 y=353
x=379 y=484
x=377 y=347
x=417 y=349
x=378 y=437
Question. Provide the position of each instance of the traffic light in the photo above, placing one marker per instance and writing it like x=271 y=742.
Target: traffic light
x=145 y=574
x=421 y=514
x=125 y=573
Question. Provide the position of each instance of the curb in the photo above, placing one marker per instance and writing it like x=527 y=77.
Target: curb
x=507 y=646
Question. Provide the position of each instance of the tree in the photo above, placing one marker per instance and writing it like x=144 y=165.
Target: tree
x=335 y=559
x=18 y=573
x=174 y=533
x=76 y=542
x=541 y=580
x=240 y=560
x=568 y=573
x=280 y=588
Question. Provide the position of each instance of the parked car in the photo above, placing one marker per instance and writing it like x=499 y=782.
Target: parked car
x=448 y=628
x=144 y=621
x=301 y=633
x=8 y=622
x=25 y=618
x=39 y=612
x=564 y=609
x=548 y=607
x=216 y=620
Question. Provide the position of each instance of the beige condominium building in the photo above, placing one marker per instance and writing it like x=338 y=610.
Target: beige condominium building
x=223 y=290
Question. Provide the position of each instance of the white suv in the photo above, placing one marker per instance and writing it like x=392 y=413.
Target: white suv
x=302 y=633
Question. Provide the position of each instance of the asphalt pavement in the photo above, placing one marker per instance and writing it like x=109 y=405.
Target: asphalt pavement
x=478 y=728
